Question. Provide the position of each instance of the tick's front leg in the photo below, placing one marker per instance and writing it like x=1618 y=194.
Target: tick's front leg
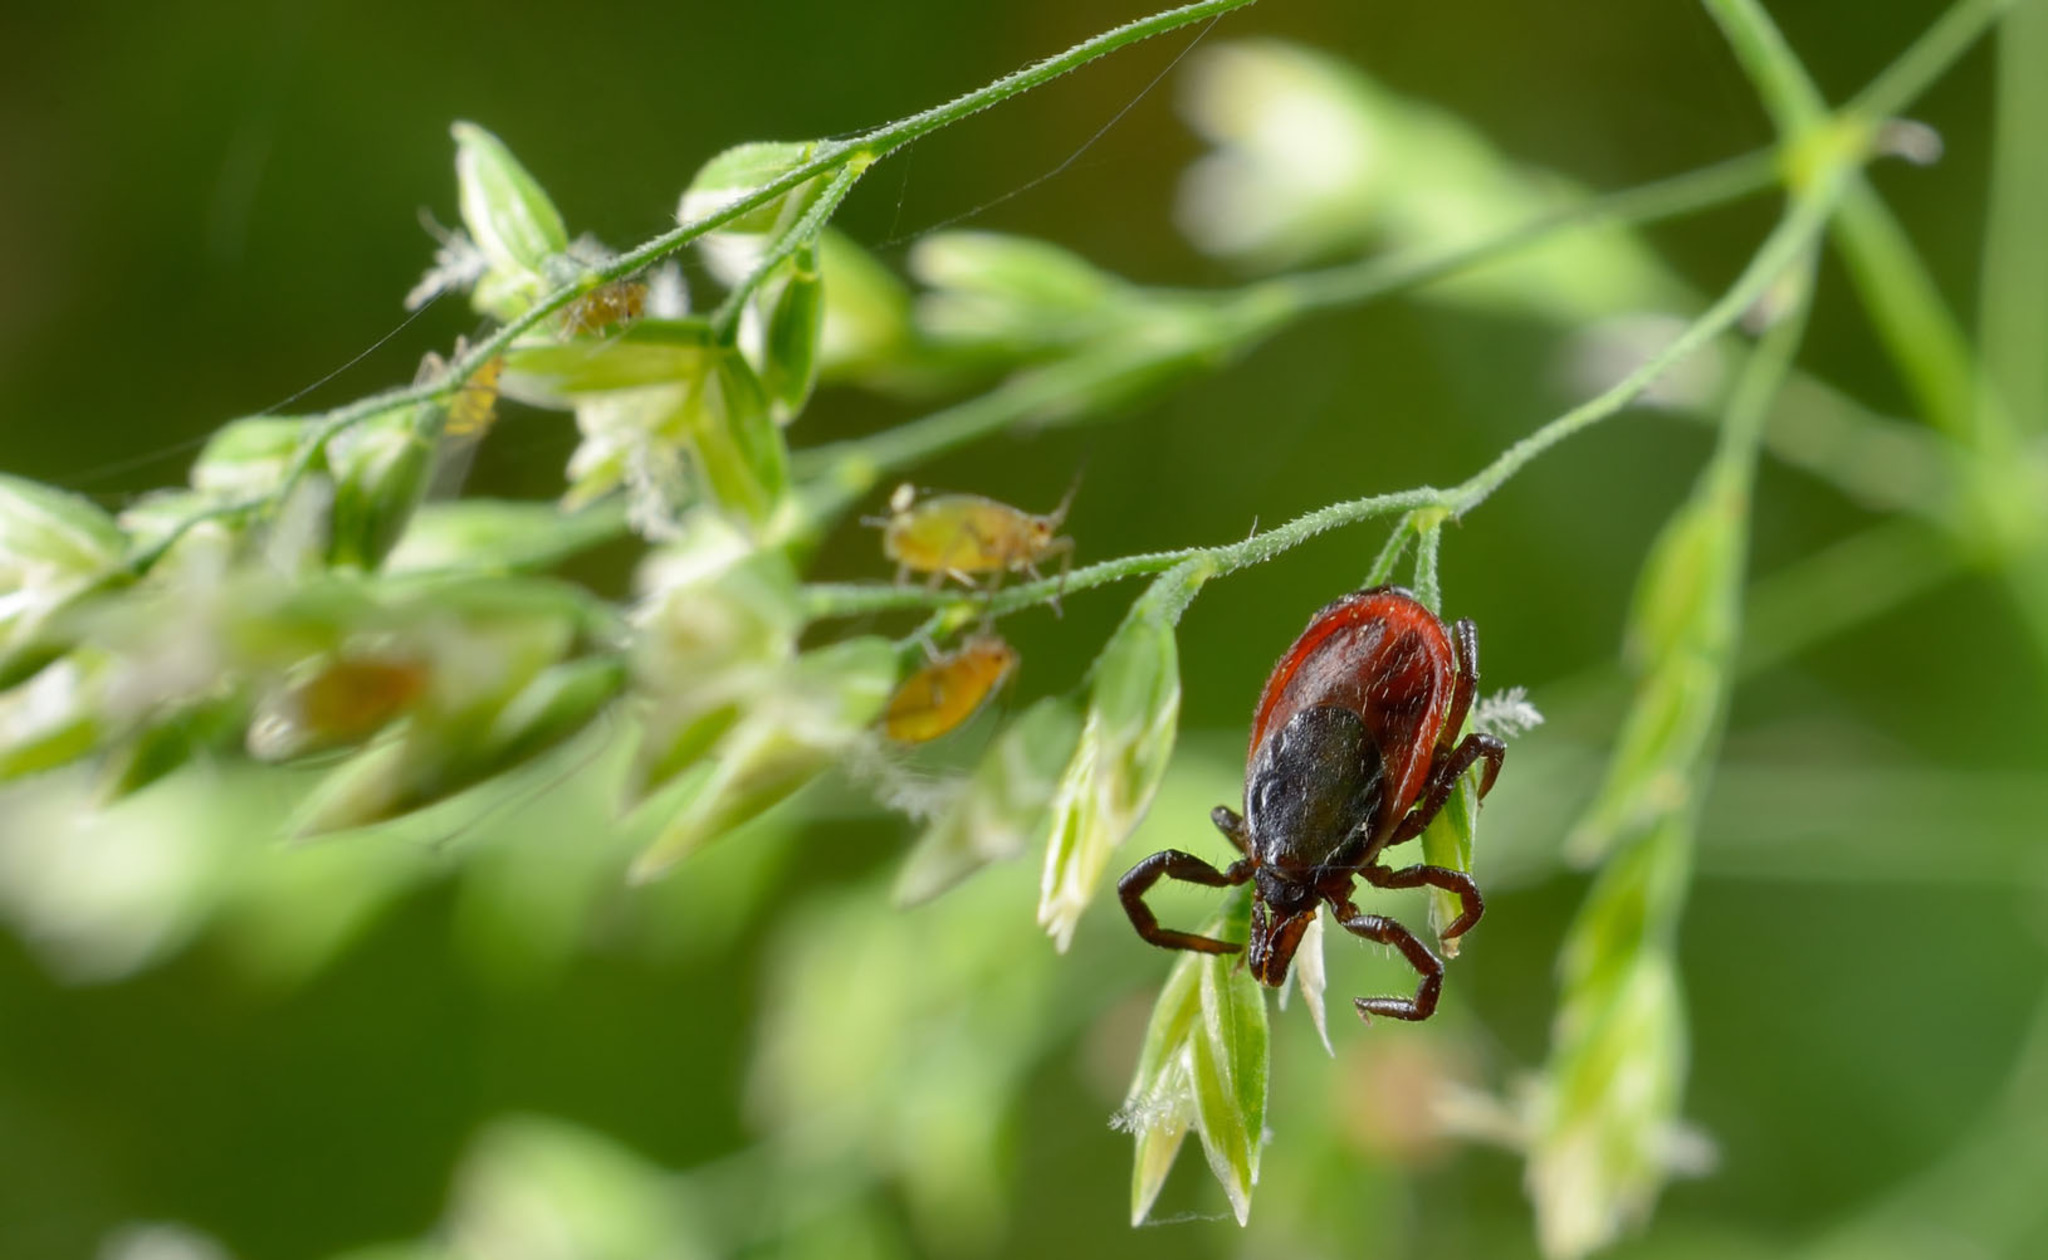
x=1231 y=824
x=1172 y=863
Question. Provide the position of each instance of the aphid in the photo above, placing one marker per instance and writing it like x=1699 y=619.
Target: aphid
x=605 y=307
x=963 y=536
x=949 y=690
x=1350 y=754
x=475 y=408
x=336 y=704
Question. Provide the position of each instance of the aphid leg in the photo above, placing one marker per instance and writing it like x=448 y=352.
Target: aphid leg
x=1384 y=931
x=1470 y=904
x=1444 y=774
x=1465 y=641
x=902 y=575
x=1064 y=547
x=1173 y=864
x=1231 y=824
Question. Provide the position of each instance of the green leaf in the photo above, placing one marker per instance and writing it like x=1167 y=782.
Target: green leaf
x=381 y=470
x=1684 y=601
x=716 y=634
x=557 y=705
x=1311 y=977
x=1227 y=1062
x=1160 y=1105
x=1207 y=1034
x=1650 y=773
x=507 y=213
x=500 y=535
x=786 y=738
x=43 y=526
x=51 y=720
x=796 y=321
x=647 y=352
x=1020 y=272
x=168 y=743
x=434 y=756
x=740 y=170
x=1681 y=638
x=55 y=548
x=741 y=457
x=1004 y=807
x=247 y=458
x=866 y=330
x=1448 y=842
x=1126 y=742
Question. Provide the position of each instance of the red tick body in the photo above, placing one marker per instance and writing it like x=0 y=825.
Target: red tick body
x=1351 y=753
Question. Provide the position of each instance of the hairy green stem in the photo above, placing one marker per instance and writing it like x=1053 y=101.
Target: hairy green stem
x=1429 y=537
x=1245 y=315
x=801 y=233
x=859 y=151
x=1396 y=546
x=1793 y=236
x=1354 y=283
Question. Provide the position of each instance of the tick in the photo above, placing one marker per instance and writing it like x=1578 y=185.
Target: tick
x=1351 y=754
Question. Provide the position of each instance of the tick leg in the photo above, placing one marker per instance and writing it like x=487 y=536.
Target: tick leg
x=1470 y=904
x=1232 y=826
x=1465 y=641
x=1172 y=863
x=1443 y=777
x=1384 y=931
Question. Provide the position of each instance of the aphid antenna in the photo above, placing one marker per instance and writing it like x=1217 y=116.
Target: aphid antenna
x=900 y=501
x=1058 y=515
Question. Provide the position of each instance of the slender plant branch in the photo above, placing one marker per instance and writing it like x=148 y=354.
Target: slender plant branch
x=1396 y=546
x=1924 y=338
x=804 y=231
x=860 y=150
x=1244 y=315
x=1429 y=537
x=1910 y=73
x=1794 y=104
x=1794 y=234
x=1674 y=196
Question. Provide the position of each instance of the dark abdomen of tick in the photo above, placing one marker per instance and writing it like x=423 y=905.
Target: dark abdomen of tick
x=1343 y=735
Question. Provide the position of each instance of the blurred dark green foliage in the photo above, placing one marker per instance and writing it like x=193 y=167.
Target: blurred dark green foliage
x=205 y=209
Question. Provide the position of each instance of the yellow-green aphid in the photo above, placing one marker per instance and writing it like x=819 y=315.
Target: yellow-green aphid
x=605 y=308
x=963 y=536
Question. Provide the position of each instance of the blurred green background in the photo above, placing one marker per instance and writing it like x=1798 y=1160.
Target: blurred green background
x=206 y=208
